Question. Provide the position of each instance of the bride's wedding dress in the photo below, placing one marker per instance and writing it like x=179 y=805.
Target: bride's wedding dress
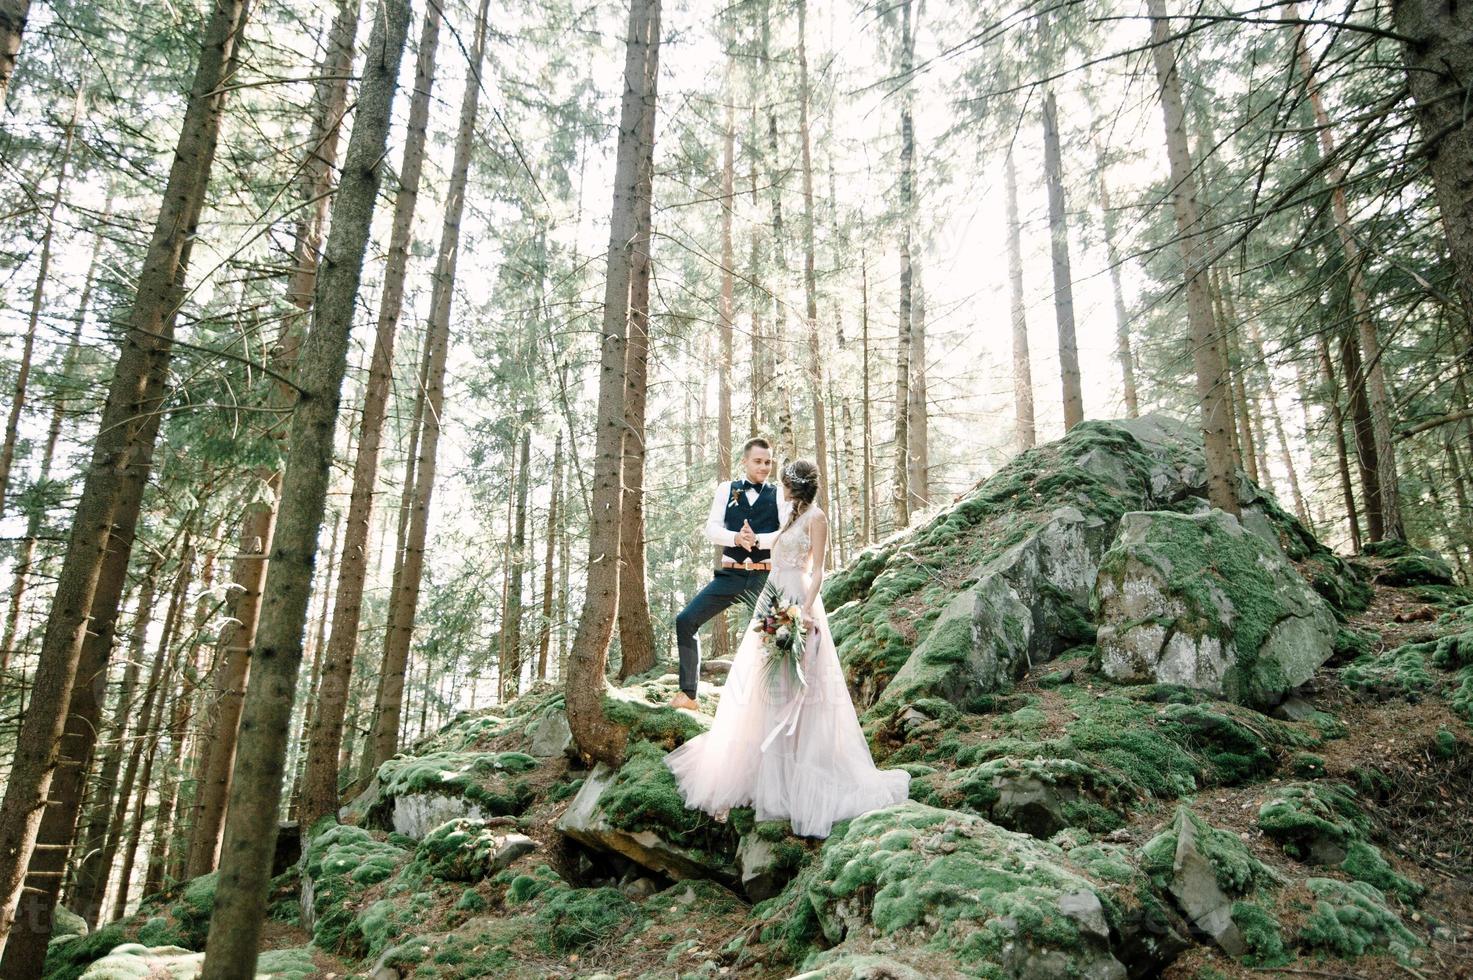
x=790 y=751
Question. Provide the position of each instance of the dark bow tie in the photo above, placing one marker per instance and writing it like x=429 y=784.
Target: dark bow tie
x=749 y=485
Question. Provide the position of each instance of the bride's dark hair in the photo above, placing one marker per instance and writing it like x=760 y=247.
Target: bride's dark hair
x=800 y=477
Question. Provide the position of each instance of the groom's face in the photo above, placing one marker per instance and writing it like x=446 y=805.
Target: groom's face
x=758 y=464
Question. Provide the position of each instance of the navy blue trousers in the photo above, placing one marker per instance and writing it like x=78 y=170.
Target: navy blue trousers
x=728 y=587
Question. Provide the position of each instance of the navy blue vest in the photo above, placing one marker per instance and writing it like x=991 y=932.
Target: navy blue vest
x=762 y=514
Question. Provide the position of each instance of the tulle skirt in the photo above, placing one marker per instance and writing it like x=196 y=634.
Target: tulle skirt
x=791 y=751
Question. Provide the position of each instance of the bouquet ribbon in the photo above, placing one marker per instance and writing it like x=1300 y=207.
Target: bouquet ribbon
x=787 y=722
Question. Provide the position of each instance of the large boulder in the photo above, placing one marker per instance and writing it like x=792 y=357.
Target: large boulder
x=412 y=795
x=1198 y=601
x=963 y=605
x=964 y=888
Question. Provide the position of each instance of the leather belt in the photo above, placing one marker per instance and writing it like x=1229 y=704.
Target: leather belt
x=751 y=566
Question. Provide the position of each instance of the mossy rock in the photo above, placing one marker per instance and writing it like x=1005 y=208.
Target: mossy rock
x=1039 y=796
x=418 y=793
x=637 y=811
x=1234 y=868
x=468 y=850
x=644 y=711
x=1198 y=600
x=1351 y=918
x=341 y=862
x=1321 y=824
x=1416 y=568
x=998 y=902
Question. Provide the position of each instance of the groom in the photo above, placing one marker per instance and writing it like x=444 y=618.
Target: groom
x=744 y=520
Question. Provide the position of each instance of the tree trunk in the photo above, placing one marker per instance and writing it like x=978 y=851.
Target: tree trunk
x=1058 y=223
x=1378 y=397
x=1337 y=422
x=255 y=793
x=121 y=458
x=1366 y=456
x=918 y=425
x=1123 y=351
x=726 y=353
x=636 y=633
x=170 y=656
x=1439 y=64
x=1207 y=353
x=907 y=217
x=96 y=861
x=21 y=576
x=554 y=518
x=596 y=736
x=38 y=294
x=1025 y=434
x=869 y=453
x=1270 y=390
x=513 y=625
x=320 y=779
x=408 y=576
x=810 y=275
x=13 y=14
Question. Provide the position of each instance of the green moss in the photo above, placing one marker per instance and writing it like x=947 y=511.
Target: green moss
x=1298 y=814
x=342 y=861
x=1260 y=931
x=649 y=721
x=1401 y=672
x=1460 y=697
x=643 y=796
x=286 y=964
x=1445 y=744
x=1416 y=568
x=69 y=960
x=1234 y=867
x=525 y=887
x=486 y=779
x=459 y=850
x=1454 y=650
x=573 y=918
x=1350 y=644
x=1350 y=919
x=1364 y=862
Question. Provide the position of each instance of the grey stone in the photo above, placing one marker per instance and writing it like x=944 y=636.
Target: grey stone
x=640 y=888
x=551 y=736
x=757 y=861
x=1294 y=708
x=1194 y=886
x=716 y=669
x=1028 y=804
x=1171 y=597
x=416 y=814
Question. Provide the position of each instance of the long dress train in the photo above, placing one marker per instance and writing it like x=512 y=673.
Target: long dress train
x=790 y=751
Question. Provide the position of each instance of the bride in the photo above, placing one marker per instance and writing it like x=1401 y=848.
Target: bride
x=789 y=746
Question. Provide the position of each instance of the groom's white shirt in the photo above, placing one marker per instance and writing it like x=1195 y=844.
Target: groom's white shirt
x=716 y=530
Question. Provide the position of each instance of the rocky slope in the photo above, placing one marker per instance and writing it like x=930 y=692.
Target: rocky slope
x=1146 y=739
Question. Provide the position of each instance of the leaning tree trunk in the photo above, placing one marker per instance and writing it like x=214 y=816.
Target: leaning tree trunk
x=255 y=793
x=259 y=522
x=918 y=425
x=1439 y=60
x=1367 y=458
x=1378 y=396
x=636 y=633
x=320 y=779
x=1207 y=353
x=92 y=871
x=1058 y=224
x=1025 y=432
x=21 y=576
x=408 y=575
x=596 y=736
x=1337 y=423
x=122 y=455
x=38 y=294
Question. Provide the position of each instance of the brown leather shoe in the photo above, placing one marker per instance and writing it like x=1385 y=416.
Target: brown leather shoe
x=683 y=700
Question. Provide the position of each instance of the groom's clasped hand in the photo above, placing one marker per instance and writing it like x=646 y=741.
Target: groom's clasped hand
x=746 y=537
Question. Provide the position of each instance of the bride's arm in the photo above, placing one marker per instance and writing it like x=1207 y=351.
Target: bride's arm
x=818 y=543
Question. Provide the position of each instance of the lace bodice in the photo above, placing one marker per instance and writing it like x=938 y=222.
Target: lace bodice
x=790 y=551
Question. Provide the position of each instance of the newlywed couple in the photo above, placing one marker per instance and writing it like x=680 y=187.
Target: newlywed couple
x=786 y=743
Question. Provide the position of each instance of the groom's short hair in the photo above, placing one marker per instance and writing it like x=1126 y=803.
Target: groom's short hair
x=756 y=441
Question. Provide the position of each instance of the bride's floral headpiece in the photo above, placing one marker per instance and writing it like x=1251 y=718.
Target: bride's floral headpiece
x=791 y=476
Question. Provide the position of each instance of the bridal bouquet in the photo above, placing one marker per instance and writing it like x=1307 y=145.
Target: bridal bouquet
x=779 y=622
